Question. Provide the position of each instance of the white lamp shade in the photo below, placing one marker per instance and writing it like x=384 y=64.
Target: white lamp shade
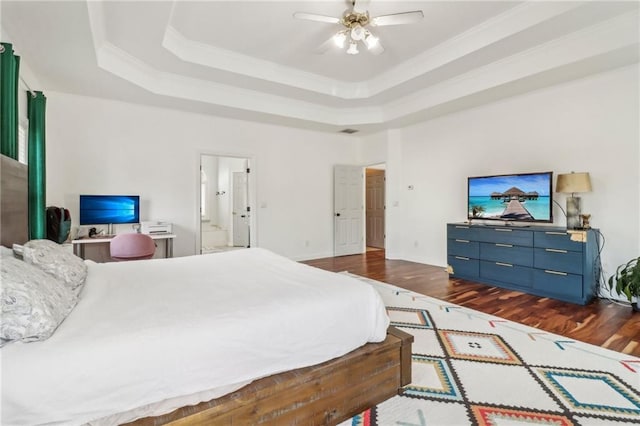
x=372 y=41
x=339 y=39
x=357 y=32
x=573 y=182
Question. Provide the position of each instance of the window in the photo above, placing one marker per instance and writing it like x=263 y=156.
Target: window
x=22 y=142
x=23 y=122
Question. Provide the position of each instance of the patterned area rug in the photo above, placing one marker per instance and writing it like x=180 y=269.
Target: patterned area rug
x=470 y=368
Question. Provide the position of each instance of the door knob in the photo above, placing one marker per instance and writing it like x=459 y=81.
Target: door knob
x=337 y=214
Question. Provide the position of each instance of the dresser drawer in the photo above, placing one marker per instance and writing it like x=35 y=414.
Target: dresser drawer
x=557 y=240
x=507 y=273
x=506 y=236
x=500 y=252
x=463 y=247
x=558 y=260
x=559 y=284
x=463 y=266
x=464 y=232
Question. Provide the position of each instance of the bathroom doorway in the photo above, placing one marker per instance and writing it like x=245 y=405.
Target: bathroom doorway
x=224 y=203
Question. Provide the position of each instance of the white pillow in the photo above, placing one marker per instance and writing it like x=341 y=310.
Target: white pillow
x=57 y=261
x=33 y=303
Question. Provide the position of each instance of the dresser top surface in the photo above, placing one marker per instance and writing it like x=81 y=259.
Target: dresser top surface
x=519 y=226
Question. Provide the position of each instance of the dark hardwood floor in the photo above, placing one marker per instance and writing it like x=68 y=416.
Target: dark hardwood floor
x=601 y=323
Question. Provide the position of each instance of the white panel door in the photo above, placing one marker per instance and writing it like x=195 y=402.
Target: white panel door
x=240 y=207
x=348 y=212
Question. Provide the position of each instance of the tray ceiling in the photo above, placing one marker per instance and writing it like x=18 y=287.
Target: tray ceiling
x=252 y=60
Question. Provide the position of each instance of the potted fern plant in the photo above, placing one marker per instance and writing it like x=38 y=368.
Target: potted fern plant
x=627 y=281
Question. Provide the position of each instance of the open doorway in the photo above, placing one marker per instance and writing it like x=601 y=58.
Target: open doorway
x=375 y=207
x=224 y=203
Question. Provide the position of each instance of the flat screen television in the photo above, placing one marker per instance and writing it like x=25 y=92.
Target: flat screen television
x=523 y=197
x=109 y=209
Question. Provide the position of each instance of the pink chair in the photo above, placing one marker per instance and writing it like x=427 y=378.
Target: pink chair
x=132 y=247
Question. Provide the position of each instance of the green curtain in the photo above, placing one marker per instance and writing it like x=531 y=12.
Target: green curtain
x=9 y=74
x=36 y=104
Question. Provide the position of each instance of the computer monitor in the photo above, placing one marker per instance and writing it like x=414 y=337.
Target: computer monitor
x=109 y=209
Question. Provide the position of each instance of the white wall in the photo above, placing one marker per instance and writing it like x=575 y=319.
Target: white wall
x=588 y=125
x=101 y=146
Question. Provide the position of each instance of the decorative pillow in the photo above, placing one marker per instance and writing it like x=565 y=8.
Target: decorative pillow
x=54 y=259
x=17 y=251
x=33 y=303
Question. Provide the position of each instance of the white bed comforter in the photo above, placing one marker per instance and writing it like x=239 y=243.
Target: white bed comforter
x=154 y=334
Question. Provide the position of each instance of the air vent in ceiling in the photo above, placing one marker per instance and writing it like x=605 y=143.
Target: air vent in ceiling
x=348 y=131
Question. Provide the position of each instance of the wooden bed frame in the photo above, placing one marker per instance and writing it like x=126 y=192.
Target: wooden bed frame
x=323 y=394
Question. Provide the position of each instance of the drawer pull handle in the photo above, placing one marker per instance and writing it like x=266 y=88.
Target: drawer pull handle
x=461 y=227
x=504 y=245
x=564 y=274
x=462 y=241
x=556 y=250
x=503 y=230
x=555 y=233
x=504 y=264
x=462 y=258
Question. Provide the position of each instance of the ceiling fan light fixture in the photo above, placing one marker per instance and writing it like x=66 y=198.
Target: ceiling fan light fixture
x=357 y=32
x=339 y=39
x=371 y=41
x=355 y=23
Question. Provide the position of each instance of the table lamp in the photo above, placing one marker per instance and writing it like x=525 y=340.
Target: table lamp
x=571 y=183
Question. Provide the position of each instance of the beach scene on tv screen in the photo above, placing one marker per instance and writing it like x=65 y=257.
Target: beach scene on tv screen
x=516 y=197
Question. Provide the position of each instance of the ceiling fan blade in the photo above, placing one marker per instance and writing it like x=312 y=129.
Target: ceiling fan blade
x=398 y=18
x=317 y=18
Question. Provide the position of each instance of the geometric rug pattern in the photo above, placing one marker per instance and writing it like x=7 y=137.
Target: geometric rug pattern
x=471 y=368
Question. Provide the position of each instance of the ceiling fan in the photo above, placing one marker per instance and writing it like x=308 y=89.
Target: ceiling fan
x=356 y=21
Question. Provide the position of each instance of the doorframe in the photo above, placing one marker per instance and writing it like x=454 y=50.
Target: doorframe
x=252 y=195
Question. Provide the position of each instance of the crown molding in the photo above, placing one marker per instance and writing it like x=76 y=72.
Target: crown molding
x=614 y=34
x=227 y=60
x=483 y=35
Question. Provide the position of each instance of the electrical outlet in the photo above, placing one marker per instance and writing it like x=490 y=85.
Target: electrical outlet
x=306 y=243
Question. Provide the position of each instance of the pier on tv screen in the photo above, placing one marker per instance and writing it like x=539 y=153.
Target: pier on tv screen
x=519 y=197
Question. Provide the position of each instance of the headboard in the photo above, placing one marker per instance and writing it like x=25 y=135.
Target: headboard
x=14 y=201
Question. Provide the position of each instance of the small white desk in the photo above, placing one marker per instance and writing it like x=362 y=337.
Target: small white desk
x=79 y=244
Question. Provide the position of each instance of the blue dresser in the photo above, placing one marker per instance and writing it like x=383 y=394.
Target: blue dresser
x=542 y=260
